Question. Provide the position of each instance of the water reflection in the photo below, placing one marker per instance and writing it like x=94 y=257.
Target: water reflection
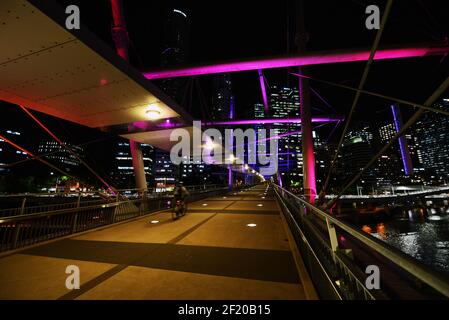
x=426 y=240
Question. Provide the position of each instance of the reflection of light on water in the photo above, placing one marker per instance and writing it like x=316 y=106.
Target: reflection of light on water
x=408 y=242
x=367 y=229
x=442 y=244
x=380 y=228
x=426 y=240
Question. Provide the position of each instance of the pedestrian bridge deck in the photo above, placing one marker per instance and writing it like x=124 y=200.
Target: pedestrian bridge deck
x=210 y=253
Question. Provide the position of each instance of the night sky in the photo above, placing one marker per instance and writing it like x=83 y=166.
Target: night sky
x=224 y=30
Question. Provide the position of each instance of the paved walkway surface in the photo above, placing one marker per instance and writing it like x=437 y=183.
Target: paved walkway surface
x=211 y=253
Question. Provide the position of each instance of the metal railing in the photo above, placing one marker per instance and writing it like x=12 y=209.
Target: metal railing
x=70 y=200
x=27 y=229
x=337 y=255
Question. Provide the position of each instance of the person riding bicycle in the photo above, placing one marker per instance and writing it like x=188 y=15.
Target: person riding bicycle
x=180 y=193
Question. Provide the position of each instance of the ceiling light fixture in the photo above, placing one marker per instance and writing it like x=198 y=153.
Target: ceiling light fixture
x=153 y=112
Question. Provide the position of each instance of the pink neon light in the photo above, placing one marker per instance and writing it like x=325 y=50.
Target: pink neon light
x=274 y=120
x=298 y=60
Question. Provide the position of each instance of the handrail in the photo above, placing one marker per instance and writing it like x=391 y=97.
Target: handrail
x=9 y=219
x=95 y=192
x=61 y=211
x=304 y=238
x=28 y=229
x=96 y=198
x=399 y=258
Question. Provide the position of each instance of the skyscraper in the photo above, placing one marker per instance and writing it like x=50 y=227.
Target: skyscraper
x=58 y=154
x=284 y=103
x=222 y=97
x=9 y=154
x=356 y=152
x=123 y=171
x=389 y=169
x=175 y=50
x=432 y=132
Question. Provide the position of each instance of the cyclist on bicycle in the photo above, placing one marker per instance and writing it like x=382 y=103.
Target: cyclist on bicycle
x=180 y=193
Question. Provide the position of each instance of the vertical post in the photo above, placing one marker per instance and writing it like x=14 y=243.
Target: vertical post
x=403 y=146
x=332 y=236
x=309 y=182
x=138 y=165
x=263 y=90
x=121 y=40
x=264 y=93
x=22 y=207
x=75 y=219
x=17 y=228
x=231 y=116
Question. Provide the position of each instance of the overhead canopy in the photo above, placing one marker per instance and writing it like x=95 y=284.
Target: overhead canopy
x=71 y=74
x=160 y=138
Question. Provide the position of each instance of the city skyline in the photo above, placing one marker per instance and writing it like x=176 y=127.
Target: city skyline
x=192 y=150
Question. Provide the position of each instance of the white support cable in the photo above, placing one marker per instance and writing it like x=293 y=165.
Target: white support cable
x=361 y=85
x=443 y=87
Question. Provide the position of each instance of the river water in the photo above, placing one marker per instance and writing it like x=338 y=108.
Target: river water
x=426 y=240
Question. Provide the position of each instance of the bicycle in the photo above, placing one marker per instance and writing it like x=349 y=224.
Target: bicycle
x=179 y=209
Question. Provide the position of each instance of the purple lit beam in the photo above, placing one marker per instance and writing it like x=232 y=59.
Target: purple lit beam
x=264 y=92
x=304 y=59
x=403 y=146
x=273 y=120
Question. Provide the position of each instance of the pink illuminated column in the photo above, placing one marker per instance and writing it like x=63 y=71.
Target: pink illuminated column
x=308 y=156
x=231 y=116
x=120 y=36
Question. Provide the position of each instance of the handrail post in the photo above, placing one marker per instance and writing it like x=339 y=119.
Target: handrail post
x=75 y=220
x=17 y=226
x=22 y=207
x=332 y=237
x=16 y=235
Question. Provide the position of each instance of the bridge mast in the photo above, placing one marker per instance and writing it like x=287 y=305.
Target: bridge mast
x=121 y=40
x=308 y=156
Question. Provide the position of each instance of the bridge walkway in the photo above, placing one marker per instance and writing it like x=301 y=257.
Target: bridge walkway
x=211 y=253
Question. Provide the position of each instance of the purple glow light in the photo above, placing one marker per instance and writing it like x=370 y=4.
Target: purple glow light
x=297 y=60
x=264 y=92
x=405 y=155
x=140 y=124
x=273 y=120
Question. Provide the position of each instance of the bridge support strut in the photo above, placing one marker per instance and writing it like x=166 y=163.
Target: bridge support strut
x=308 y=156
x=120 y=36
